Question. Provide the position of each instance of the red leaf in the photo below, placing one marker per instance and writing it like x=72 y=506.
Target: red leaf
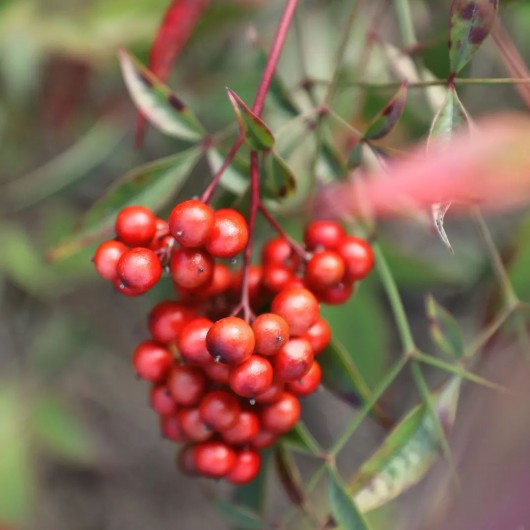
x=174 y=32
x=490 y=167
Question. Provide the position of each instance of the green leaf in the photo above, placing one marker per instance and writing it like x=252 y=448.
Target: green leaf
x=407 y=453
x=280 y=181
x=444 y=330
x=151 y=185
x=450 y=116
x=343 y=508
x=388 y=118
x=300 y=439
x=257 y=135
x=157 y=102
x=289 y=475
x=16 y=473
x=240 y=516
x=235 y=179
x=356 y=156
x=61 y=431
x=334 y=159
x=470 y=23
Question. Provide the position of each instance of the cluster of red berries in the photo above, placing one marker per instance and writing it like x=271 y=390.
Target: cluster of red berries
x=224 y=386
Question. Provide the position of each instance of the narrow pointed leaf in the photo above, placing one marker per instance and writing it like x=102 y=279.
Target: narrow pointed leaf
x=356 y=156
x=444 y=330
x=300 y=439
x=451 y=116
x=334 y=160
x=470 y=23
x=344 y=509
x=172 y=35
x=239 y=516
x=151 y=185
x=257 y=135
x=280 y=181
x=407 y=453
x=289 y=476
x=157 y=102
x=388 y=118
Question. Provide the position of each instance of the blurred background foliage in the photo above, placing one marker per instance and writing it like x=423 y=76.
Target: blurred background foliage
x=79 y=448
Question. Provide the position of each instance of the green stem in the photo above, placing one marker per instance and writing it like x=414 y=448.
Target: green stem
x=406 y=26
x=400 y=317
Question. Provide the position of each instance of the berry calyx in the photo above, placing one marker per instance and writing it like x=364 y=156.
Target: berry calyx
x=230 y=340
x=152 y=361
x=135 y=226
x=106 y=259
x=252 y=377
x=229 y=236
x=191 y=223
x=214 y=459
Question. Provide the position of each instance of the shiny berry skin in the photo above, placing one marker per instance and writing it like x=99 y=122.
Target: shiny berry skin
x=152 y=361
x=252 y=377
x=139 y=269
x=106 y=259
x=319 y=335
x=220 y=410
x=191 y=268
x=297 y=282
x=229 y=236
x=273 y=393
x=282 y=415
x=307 y=384
x=193 y=426
x=294 y=359
x=186 y=460
x=244 y=431
x=187 y=385
x=298 y=307
x=230 y=340
x=162 y=401
x=167 y=320
x=276 y=277
x=271 y=333
x=335 y=295
x=217 y=372
x=325 y=269
x=214 y=459
x=191 y=223
x=221 y=281
x=278 y=251
x=323 y=234
x=264 y=439
x=358 y=257
x=192 y=341
x=248 y=464
x=172 y=429
x=136 y=226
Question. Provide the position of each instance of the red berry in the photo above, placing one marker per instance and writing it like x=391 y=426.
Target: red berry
x=171 y=429
x=298 y=307
x=191 y=268
x=252 y=377
x=162 y=401
x=217 y=372
x=230 y=340
x=186 y=460
x=214 y=459
x=335 y=295
x=191 y=223
x=124 y=290
x=295 y=281
x=325 y=269
x=264 y=439
x=229 y=236
x=136 y=226
x=106 y=259
x=192 y=341
x=319 y=335
x=294 y=359
x=358 y=257
x=220 y=410
x=276 y=277
x=282 y=415
x=187 y=385
x=244 y=431
x=152 y=361
x=221 y=280
x=308 y=383
x=271 y=333
x=278 y=251
x=161 y=237
x=323 y=234
x=248 y=464
x=193 y=425
x=273 y=393
x=167 y=320
x=139 y=269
